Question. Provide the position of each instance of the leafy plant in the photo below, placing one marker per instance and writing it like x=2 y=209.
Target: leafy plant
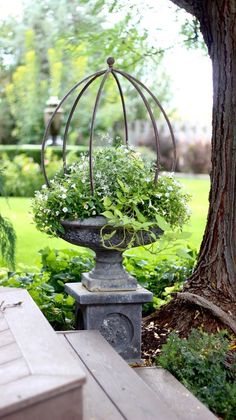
x=200 y=363
x=7 y=233
x=162 y=274
x=7 y=242
x=64 y=266
x=124 y=192
x=23 y=175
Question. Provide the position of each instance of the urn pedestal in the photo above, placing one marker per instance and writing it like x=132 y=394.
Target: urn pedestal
x=117 y=315
x=108 y=299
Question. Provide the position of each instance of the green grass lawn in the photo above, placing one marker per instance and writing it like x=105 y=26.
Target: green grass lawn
x=30 y=241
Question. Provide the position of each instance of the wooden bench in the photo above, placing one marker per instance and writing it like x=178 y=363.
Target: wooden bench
x=42 y=374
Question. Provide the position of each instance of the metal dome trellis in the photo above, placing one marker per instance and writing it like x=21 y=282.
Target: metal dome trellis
x=88 y=81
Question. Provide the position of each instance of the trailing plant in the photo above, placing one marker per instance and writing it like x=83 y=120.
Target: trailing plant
x=124 y=193
x=7 y=233
x=203 y=363
x=7 y=242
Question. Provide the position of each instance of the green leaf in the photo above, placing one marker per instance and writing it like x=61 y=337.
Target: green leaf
x=108 y=236
x=108 y=214
x=107 y=202
x=162 y=223
x=140 y=216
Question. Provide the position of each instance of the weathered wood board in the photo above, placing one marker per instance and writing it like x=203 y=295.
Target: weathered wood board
x=118 y=383
x=174 y=394
x=38 y=376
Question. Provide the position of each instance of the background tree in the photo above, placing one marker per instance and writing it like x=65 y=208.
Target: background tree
x=213 y=283
x=51 y=48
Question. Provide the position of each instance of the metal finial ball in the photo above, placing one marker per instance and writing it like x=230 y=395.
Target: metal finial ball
x=110 y=61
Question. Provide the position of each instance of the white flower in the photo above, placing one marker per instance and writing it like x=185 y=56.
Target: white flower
x=159 y=195
x=63 y=189
x=44 y=186
x=73 y=186
x=65 y=209
x=57 y=213
x=63 y=196
x=86 y=206
x=94 y=213
x=170 y=188
x=167 y=194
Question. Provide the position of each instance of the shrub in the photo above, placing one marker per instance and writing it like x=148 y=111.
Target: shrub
x=23 y=176
x=197 y=158
x=199 y=362
x=34 y=151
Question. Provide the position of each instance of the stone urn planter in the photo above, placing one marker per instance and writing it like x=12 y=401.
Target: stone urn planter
x=109 y=273
x=107 y=201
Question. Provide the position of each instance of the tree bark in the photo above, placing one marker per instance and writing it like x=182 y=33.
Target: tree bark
x=214 y=277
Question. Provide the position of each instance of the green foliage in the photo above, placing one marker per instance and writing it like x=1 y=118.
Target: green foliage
x=124 y=192
x=47 y=286
x=192 y=34
x=64 y=266
x=25 y=95
x=199 y=362
x=23 y=176
x=33 y=151
x=7 y=242
x=7 y=233
x=51 y=48
x=161 y=273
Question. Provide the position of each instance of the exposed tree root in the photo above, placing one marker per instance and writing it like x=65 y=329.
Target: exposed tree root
x=225 y=318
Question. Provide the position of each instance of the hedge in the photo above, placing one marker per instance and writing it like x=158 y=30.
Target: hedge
x=34 y=150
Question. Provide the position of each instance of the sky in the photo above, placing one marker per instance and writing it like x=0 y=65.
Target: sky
x=189 y=70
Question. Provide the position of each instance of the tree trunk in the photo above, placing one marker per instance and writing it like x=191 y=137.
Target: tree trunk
x=214 y=277
x=215 y=274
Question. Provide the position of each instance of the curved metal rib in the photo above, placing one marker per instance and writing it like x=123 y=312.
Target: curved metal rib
x=51 y=119
x=123 y=106
x=156 y=134
x=162 y=110
x=92 y=128
x=71 y=115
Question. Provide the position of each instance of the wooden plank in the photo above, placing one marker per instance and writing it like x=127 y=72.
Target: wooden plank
x=3 y=323
x=174 y=394
x=61 y=407
x=36 y=368
x=96 y=404
x=12 y=371
x=6 y=337
x=38 y=341
x=9 y=353
x=24 y=387
x=127 y=391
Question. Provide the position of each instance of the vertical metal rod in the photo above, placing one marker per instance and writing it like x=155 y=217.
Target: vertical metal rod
x=108 y=71
x=72 y=113
x=123 y=106
x=156 y=134
x=50 y=122
x=163 y=112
